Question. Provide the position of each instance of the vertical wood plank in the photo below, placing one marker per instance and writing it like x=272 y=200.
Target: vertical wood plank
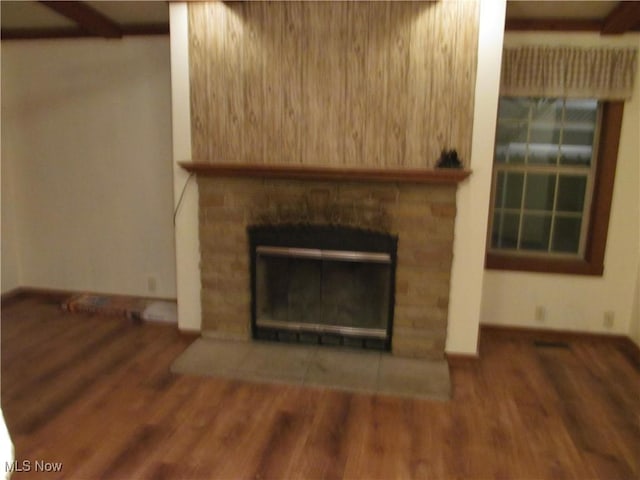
x=216 y=83
x=398 y=90
x=311 y=100
x=253 y=95
x=439 y=105
x=431 y=146
x=355 y=85
x=197 y=71
x=376 y=83
x=417 y=134
x=234 y=82
x=336 y=87
x=465 y=75
x=323 y=85
x=292 y=57
x=272 y=81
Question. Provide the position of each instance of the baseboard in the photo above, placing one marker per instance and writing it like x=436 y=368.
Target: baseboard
x=626 y=344
x=189 y=334
x=548 y=333
x=461 y=359
x=62 y=293
x=12 y=295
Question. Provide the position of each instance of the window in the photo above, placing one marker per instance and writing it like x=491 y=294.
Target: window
x=552 y=181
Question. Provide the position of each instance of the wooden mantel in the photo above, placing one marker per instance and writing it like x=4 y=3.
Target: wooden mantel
x=299 y=172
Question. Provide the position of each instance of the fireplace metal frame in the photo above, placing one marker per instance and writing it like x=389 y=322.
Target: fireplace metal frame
x=322 y=242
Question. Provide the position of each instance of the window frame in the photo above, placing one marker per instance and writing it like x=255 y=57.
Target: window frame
x=596 y=235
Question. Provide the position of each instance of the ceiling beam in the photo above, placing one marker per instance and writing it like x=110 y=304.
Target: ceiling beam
x=86 y=17
x=552 y=24
x=74 y=32
x=624 y=17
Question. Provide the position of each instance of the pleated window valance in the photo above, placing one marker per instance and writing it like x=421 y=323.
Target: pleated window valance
x=571 y=72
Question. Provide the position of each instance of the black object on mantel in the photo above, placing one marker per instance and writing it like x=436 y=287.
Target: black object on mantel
x=449 y=159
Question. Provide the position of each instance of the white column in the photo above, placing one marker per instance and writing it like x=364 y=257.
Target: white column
x=186 y=222
x=473 y=196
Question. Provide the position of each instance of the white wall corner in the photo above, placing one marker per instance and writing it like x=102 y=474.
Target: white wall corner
x=186 y=218
x=473 y=196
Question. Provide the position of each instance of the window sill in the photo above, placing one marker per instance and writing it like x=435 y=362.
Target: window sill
x=496 y=261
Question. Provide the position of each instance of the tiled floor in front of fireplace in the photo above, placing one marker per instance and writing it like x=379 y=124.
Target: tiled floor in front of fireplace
x=317 y=366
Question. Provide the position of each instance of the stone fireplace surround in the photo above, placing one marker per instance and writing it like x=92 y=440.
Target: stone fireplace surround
x=422 y=215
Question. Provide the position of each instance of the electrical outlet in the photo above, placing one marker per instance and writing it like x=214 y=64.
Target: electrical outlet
x=152 y=283
x=609 y=319
x=540 y=314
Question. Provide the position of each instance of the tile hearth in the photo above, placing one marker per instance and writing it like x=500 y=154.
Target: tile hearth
x=317 y=366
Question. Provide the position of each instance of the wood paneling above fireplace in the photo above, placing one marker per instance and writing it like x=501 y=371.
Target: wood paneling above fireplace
x=358 y=84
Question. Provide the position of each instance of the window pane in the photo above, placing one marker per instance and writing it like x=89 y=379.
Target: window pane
x=511 y=132
x=545 y=131
x=511 y=152
x=566 y=235
x=575 y=155
x=511 y=142
x=545 y=154
x=516 y=153
x=577 y=136
x=545 y=134
x=547 y=110
x=579 y=130
x=509 y=190
x=583 y=110
x=505 y=230
x=540 y=191
x=513 y=108
x=535 y=232
x=501 y=153
x=571 y=190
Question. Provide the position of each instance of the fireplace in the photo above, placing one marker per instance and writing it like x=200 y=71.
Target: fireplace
x=419 y=217
x=322 y=284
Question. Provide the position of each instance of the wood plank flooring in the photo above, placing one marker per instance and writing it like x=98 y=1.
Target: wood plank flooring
x=96 y=394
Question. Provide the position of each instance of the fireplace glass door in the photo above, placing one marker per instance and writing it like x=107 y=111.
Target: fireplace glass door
x=325 y=295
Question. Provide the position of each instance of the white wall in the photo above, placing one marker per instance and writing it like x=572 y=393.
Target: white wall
x=10 y=254
x=579 y=302
x=86 y=131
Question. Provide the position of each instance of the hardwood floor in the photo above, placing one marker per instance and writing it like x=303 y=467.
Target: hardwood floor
x=96 y=394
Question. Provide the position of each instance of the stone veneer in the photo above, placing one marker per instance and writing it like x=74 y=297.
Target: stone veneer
x=421 y=215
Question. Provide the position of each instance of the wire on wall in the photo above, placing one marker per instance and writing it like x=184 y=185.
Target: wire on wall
x=184 y=189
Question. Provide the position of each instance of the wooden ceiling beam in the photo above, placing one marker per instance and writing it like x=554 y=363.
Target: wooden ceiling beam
x=86 y=17
x=552 y=24
x=623 y=18
x=75 y=32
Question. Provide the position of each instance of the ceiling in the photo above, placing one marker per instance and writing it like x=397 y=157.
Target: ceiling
x=64 y=19
x=115 y=19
